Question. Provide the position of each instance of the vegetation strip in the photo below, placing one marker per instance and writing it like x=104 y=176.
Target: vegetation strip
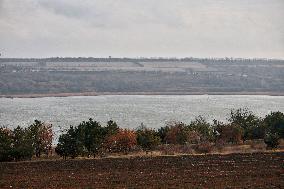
x=90 y=138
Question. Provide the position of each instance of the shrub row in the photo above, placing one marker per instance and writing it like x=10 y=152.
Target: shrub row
x=90 y=138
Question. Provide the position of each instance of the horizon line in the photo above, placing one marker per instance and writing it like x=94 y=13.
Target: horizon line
x=144 y=57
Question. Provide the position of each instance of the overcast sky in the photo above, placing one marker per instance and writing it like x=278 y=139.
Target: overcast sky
x=135 y=28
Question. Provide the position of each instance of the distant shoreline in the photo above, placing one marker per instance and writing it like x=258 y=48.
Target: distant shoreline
x=137 y=93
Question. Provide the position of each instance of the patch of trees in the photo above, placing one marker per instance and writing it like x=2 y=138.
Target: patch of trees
x=24 y=143
x=90 y=138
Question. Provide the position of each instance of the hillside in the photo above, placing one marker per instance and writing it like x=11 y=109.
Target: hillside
x=125 y=75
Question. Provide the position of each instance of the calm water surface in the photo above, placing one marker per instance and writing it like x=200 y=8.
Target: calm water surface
x=130 y=110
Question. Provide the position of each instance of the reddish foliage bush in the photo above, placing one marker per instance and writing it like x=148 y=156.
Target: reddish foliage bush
x=123 y=141
x=46 y=136
x=229 y=134
x=194 y=137
x=177 y=134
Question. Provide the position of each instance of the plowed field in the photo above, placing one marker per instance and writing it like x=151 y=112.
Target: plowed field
x=259 y=170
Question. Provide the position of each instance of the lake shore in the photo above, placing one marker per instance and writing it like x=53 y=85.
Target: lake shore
x=137 y=93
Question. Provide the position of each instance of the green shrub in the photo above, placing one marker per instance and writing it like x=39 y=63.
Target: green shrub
x=69 y=145
x=22 y=144
x=272 y=140
x=148 y=139
x=5 y=144
x=274 y=123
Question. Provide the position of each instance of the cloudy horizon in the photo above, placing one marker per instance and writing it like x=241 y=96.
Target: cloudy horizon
x=142 y=28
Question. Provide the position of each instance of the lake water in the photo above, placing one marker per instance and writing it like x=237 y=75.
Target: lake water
x=130 y=110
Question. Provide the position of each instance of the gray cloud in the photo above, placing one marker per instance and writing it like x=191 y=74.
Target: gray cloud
x=111 y=13
x=1 y=7
x=65 y=8
x=238 y=28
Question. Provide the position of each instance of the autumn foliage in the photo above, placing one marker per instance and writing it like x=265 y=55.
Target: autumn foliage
x=23 y=143
x=123 y=141
x=91 y=138
x=228 y=133
x=177 y=134
x=41 y=135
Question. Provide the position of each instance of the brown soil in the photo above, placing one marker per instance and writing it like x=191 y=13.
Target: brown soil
x=258 y=170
